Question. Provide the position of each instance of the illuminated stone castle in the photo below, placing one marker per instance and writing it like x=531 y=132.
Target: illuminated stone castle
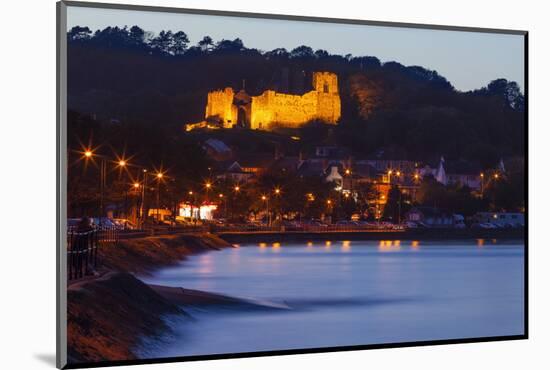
x=227 y=109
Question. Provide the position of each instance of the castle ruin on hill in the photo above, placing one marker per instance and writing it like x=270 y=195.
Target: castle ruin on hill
x=227 y=109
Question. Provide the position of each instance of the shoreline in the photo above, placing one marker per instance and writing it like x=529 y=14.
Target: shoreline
x=109 y=314
x=411 y=234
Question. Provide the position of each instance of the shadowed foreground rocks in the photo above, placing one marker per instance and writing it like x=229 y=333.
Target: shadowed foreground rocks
x=107 y=316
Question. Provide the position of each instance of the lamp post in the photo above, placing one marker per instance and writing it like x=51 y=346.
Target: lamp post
x=159 y=177
x=277 y=192
x=89 y=155
x=416 y=179
x=482 y=177
x=329 y=208
x=266 y=200
x=225 y=205
x=208 y=186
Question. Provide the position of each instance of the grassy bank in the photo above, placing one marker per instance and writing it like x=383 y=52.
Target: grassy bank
x=144 y=255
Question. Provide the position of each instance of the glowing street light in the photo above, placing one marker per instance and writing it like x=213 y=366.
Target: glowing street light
x=264 y=197
x=496 y=176
x=277 y=191
x=348 y=171
x=88 y=154
x=136 y=185
x=190 y=192
x=220 y=195
x=122 y=163
x=208 y=185
x=160 y=175
x=237 y=188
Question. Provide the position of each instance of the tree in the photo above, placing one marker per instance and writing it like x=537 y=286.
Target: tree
x=163 y=42
x=302 y=52
x=508 y=92
x=206 y=43
x=281 y=53
x=230 y=46
x=78 y=33
x=393 y=210
x=179 y=43
x=320 y=53
x=137 y=36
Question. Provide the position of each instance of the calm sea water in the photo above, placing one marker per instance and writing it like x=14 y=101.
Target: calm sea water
x=345 y=293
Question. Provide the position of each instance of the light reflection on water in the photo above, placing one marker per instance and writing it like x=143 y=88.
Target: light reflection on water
x=350 y=293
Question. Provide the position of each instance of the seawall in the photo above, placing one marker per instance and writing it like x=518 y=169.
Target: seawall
x=413 y=234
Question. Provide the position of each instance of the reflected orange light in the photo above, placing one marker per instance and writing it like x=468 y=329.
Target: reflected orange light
x=262 y=245
x=310 y=244
x=346 y=245
x=276 y=245
x=389 y=246
x=480 y=242
x=328 y=243
x=415 y=244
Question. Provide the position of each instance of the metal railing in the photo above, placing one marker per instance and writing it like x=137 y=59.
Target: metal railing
x=83 y=246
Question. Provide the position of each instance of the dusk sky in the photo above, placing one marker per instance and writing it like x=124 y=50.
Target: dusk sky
x=468 y=60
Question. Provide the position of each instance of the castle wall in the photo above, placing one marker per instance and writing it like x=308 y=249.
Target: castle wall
x=283 y=109
x=272 y=108
x=220 y=104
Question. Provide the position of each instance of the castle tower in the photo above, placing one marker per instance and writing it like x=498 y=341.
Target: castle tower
x=325 y=82
x=328 y=99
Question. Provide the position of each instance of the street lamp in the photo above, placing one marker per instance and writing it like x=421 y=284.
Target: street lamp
x=482 y=177
x=208 y=186
x=266 y=200
x=159 y=177
x=88 y=154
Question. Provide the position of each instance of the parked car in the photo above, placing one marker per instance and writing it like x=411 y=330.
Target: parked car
x=103 y=222
x=124 y=224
